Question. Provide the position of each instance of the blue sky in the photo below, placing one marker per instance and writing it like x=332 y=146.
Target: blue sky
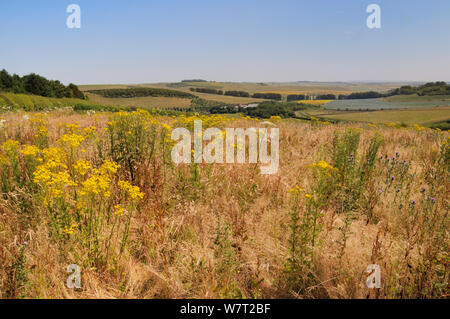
x=137 y=41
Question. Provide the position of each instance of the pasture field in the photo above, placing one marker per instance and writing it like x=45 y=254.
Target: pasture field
x=400 y=102
x=282 y=88
x=143 y=102
x=418 y=99
x=414 y=116
x=99 y=190
x=293 y=87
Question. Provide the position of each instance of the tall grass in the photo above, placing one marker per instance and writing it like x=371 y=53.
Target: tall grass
x=99 y=190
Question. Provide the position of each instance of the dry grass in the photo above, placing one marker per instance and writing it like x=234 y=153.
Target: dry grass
x=143 y=102
x=223 y=231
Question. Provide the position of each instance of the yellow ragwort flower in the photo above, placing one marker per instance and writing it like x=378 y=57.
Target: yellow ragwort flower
x=132 y=191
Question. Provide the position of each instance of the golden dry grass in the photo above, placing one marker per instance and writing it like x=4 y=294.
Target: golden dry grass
x=143 y=102
x=175 y=251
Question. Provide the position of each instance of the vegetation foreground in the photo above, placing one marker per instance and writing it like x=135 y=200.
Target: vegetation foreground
x=100 y=190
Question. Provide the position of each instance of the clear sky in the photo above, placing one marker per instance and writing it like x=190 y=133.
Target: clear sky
x=142 y=41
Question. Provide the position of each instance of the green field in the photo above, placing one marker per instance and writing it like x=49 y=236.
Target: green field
x=426 y=116
x=418 y=99
x=394 y=102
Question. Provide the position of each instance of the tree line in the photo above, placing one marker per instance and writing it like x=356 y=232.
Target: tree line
x=264 y=110
x=267 y=96
x=141 y=92
x=207 y=90
x=37 y=85
x=431 y=88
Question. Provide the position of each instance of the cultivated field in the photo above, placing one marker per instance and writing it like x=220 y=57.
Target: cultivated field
x=100 y=190
x=143 y=102
x=301 y=87
x=399 y=102
x=410 y=116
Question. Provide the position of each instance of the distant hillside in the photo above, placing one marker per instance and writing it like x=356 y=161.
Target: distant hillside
x=428 y=89
x=11 y=101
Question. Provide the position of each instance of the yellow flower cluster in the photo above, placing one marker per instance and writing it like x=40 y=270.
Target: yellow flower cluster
x=30 y=150
x=275 y=119
x=4 y=159
x=90 y=131
x=99 y=183
x=215 y=120
x=10 y=146
x=296 y=189
x=82 y=167
x=53 y=176
x=71 y=140
x=72 y=128
x=132 y=191
x=119 y=210
x=318 y=121
x=54 y=157
x=95 y=185
x=418 y=127
x=69 y=229
x=109 y=167
x=54 y=183
x=314 y=102
x=39 y=121
x=392 y=124
x=323 y=165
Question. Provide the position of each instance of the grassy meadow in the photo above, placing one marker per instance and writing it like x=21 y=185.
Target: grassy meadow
x=423 y=116
x=142 y=102
x=401 y=102
x=100 y=190
x=28 y=102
